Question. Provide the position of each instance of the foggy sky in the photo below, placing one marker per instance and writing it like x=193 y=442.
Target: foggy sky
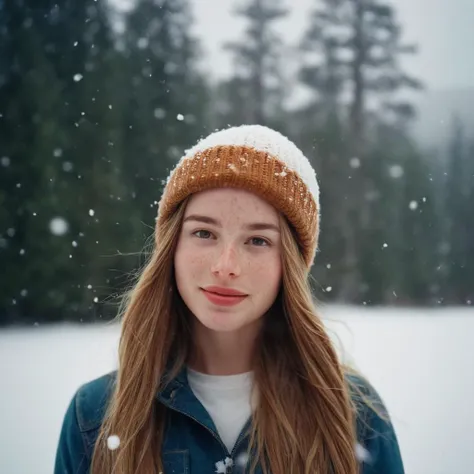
x=443 y=30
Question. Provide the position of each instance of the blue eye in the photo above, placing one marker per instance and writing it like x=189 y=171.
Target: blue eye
x=202 y=234
x=259 y=242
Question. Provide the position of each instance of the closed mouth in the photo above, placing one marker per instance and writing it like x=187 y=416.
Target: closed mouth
x=224 y=291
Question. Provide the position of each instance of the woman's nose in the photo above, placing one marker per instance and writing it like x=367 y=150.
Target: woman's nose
x=227 y=262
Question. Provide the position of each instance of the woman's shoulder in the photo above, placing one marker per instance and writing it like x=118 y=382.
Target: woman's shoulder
x=81 y=424
x=362 y=391
x=91 y=401
x=377 y=446
x=367 y=402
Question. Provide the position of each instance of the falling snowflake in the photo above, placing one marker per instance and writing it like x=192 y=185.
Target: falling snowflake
x=413 y=205
x=77 y=77
x=180 y=117
x=329 y=289
x=24 y=292
x=67 y=166
x=58 y=226
x=159 y=113
x=355 y=163
x=242 y=459
x=221 y=466
x=91 y=212
x=361 y=453
x=57 y=152
x=113 y=442
x=96 y=300
x=5 y=161
x=385 y=245
x=396 y=171
x=142 y=43
x=74 y=243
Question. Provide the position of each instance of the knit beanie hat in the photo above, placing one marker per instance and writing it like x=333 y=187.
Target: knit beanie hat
x=257 y=159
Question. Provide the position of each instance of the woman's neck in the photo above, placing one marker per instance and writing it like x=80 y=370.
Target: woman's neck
x=223 y=353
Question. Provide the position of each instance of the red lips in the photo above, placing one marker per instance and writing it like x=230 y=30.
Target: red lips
x=223 y=296
x=223 y=291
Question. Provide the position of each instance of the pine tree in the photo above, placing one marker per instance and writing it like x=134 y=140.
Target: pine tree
x=57 y=132
x=359 y=42
x=29 y=99
x=164 y=98
x=397 y=244
x=93 y=120
x=256 y=91
x=459 y=232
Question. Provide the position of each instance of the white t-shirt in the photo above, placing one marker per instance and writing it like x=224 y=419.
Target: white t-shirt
x=227 y=399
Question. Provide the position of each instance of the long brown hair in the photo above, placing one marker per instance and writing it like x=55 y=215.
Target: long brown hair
x=304 y=419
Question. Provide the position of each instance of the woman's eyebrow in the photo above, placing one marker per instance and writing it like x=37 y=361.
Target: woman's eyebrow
x=203 y=219
x=217 y=223
x=263 y=226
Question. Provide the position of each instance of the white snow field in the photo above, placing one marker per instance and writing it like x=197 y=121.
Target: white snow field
x=420 y=361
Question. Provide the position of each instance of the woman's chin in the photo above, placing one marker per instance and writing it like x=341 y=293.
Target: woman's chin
x=221 y=323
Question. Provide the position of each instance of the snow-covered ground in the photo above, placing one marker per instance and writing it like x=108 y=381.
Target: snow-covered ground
x=420 y=361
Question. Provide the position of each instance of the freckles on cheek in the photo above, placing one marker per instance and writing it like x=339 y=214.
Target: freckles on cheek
x=195 y=263
x=190 y=266
x=267 y=271
x=260 y=269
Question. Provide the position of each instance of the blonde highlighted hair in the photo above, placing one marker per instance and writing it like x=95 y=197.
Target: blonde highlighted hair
x=304 y=421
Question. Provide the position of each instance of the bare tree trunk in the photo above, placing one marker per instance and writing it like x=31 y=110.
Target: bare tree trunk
x=357 y=105
x=353 y=203
x=258 y=79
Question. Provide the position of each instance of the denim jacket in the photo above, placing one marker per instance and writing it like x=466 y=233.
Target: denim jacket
x=191 y=443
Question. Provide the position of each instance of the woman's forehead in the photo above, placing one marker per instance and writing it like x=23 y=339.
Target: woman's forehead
x=223 y=200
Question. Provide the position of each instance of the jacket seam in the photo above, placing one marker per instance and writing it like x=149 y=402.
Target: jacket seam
x=82 y=433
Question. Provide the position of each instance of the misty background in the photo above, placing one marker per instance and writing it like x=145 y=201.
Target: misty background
x=99 y=100
x=440 y=29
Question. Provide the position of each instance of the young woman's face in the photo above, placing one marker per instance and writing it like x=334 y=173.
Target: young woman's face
x=228 y=262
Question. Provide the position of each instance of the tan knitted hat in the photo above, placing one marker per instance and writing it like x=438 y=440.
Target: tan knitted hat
x=258 y=159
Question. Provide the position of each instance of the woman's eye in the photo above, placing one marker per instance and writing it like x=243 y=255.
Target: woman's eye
x=259 y=242
x=202 y=234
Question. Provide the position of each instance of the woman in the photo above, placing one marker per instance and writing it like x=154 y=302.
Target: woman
x=224 y=365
